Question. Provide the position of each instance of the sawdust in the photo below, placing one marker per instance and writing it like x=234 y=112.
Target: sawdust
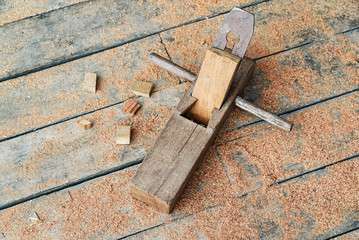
x=61 y=86
x=258 y=160
x=303 y=209
x=107 y=205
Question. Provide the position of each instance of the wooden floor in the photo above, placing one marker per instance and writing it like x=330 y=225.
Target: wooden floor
x=257 y=182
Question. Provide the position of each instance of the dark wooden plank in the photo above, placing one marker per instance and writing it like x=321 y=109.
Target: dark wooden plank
x=179 y=150
x=64 y=153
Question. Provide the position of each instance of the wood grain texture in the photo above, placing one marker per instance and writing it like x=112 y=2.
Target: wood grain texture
x=213 y=82
x=299 y=210
x=66 y=212
x=88 y=27
x=90 y=82
x=141 y=88
x=63 y=153
x=240 y=102
x=163 y=175
x=322 y=135
x=25 y=109
x=124 y=135
x=61 y=86
x=314 y=206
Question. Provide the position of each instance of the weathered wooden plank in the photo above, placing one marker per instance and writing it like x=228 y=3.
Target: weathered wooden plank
x=12 y=10
x=28 y=110
x=208 y=208
x=162 y=162
x=24 y=107
x=66 y=212
x=345 y=67
x=85 y=28
x=321 y=135
x=63 y=153
x=279 y=25
x=303 y=75
x=179 y=150
x=318 y=208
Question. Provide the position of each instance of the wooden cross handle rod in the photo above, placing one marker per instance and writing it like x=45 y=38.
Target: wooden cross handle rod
x=240 y=102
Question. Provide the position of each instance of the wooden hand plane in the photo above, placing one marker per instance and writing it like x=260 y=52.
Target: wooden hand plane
x=180 y=148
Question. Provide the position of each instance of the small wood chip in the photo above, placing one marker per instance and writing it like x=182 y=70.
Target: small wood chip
x=85 y=124
x=124 y=135
x=34 y=219
x=130 y=107
x=141 y=88
x=90 y=81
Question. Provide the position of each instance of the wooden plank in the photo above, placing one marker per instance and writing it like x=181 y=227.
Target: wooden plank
x=14 y=10
x=265 y=155
x=66 y=212
x=213 y=82
x=208 y=201
x=75 y=41
x=179 y=150
x=300 y=210
x=302 y=75
x=25 y=110
x=63 y=153
x=61 y=86
x=343 y=43
x=88 y=27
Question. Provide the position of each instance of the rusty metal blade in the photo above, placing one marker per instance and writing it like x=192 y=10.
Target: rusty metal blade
x=238 y=21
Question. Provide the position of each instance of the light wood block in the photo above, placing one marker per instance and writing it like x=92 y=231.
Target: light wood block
x=124 y=135
x=213 y=82
x=130 y=107
x=142 y=88
x=180 y=148
x=85 y=124
x=90 y=82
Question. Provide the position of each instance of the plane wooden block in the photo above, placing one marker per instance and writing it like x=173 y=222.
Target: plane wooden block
x=213 y=82
x=181 y=147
